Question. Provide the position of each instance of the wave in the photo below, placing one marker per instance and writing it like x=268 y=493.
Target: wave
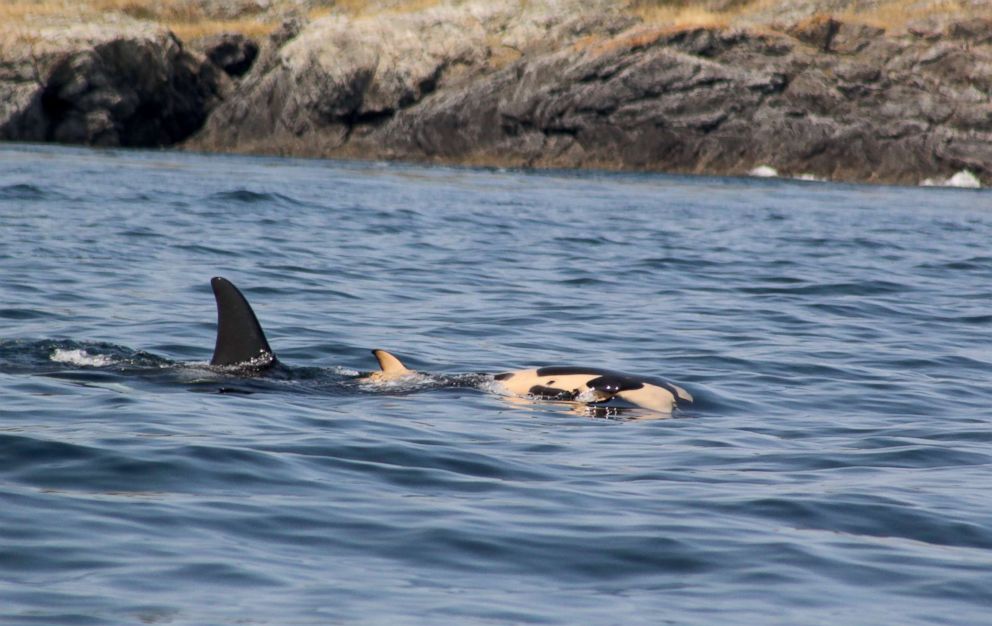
x=982 y=263
x=47 y=355
x=865 y=288
x=22 y=314
x=249 y=197
x=22 y=191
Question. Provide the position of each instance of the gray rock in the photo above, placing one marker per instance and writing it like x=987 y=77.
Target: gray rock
x=134 y=89
x=718 y=102
x=554 y=83
x=337 y=77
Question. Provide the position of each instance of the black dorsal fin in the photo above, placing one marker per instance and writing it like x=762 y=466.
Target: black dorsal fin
x=240 y=339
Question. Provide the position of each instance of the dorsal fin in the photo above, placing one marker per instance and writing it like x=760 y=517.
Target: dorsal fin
x=390 y=365
x=240 y=339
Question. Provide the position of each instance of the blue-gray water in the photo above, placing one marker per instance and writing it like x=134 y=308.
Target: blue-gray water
x=836 y=469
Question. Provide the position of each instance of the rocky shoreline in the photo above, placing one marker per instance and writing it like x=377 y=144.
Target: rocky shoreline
x=557 y=84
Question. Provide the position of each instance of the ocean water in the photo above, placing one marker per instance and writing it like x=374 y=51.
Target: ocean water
x=836 y=467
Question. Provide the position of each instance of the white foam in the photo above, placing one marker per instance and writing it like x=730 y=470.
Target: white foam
x=589 y=395
x=81 y=357
x=263 y=360
x=407 y=382
x=764 y=171
x=494 y=386
x=962 y=180
x=810 y=177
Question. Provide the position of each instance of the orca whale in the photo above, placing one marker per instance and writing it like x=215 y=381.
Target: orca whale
x=241 y=344
x=588 y=385
x=596 y=386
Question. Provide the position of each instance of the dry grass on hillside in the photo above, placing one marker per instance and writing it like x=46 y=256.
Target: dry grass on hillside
x=365 y=7
x=721 y=13
x=192 y=19
x=683 y=14
x=189 y=19
x=23 y=11
x=894 y=13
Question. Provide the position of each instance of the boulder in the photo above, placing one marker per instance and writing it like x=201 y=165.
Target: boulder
x=137 y=87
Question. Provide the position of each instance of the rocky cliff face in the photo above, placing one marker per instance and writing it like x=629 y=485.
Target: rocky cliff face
x=322 y=85
x=556 y=83
x=109 y=87
x=825 y=98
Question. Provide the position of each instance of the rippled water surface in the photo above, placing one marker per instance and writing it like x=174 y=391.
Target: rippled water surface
x=835 y=469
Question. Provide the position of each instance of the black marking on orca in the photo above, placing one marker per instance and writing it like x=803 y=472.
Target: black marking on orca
x=567 y=370
x=503 y=376
x=670 y=388
x=605 y=380
x=240 y=339
x=614 y=384
x=609 y=381
x=552 y=393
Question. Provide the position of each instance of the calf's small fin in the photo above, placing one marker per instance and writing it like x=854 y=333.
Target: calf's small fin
x=390 y=366
x=240 y=339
